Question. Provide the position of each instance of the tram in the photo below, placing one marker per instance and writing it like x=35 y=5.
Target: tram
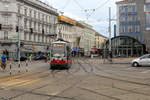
x=60 y=54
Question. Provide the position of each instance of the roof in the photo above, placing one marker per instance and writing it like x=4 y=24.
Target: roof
x=98 y=34
x=126 y=37
x=125 y=1
x=67 y=20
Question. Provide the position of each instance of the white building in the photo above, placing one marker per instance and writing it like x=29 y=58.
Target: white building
x=79 y=34
x=87 y=38
x=33 y=20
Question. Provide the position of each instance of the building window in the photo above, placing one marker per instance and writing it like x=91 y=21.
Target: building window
x=35 y=14
x=34 y=37
x=46 y=18
x=147 y=12
x=5 y=35
x=42 y=17
x=50 y=29
x=25 y=23
x=25 y=11
x=25 y=36
x=133 y=8
x=49 y=19
x=38 y=27
x=34 y=26
x=30 y=13
x=38 y=38
x=19 y=8
x=30 y=36
x=39 y=15
x=30 y=24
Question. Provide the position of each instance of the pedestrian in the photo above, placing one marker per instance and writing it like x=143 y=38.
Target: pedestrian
x=3 y=61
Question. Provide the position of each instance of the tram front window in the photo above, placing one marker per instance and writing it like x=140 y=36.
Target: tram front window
x=58 y=50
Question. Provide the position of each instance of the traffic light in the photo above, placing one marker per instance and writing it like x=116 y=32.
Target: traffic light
x=17 y=29
x=31 y=30
x=0 y=26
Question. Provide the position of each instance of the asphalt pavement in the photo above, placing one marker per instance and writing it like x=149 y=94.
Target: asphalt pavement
x=87 y=79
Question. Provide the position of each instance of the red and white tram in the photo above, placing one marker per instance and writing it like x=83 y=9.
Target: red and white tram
x=60 y=55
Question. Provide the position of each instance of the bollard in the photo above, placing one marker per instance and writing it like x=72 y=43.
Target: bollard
x=26 y=66
x=10 y=73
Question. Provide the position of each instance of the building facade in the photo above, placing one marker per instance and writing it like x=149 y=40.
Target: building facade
x=80 y=35
x=140 y=14
x=128 y=20
x=87 y=38
x=124 y=46
x=100 y=40
x=66 y=29
x=30 y=21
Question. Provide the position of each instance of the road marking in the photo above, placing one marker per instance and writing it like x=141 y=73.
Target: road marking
x=147 y=71
x=19 y=82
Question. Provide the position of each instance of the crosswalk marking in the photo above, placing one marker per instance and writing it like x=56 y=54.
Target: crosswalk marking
x=18 y=83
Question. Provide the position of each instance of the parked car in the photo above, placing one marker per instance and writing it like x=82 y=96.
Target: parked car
x=41 y=57
x=22 y=58
x=141 y=61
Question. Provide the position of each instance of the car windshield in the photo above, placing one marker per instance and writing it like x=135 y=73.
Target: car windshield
x=145 y=56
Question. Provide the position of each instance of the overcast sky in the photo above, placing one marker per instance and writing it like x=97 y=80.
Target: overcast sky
x=94 y=12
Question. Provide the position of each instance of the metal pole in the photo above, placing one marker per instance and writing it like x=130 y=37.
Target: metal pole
x=109 y=29
x=19 y=41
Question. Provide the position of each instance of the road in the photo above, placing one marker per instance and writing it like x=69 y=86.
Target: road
x=88 y=79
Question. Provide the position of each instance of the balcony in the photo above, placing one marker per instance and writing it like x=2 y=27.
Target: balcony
x=7 y=27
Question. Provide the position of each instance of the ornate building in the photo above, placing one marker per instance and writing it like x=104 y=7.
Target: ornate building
x=30 y=21
x=79 y=34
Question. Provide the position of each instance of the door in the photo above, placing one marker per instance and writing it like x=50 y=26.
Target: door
x=145 y=61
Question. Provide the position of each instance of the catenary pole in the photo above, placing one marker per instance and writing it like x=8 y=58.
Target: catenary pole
x=109 y=29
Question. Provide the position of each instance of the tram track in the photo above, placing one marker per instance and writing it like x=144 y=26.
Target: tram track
x=51 y=96
x=117 y=79
x=70 y=77
x=45 y=85
x=55 y=96
x=92 y=66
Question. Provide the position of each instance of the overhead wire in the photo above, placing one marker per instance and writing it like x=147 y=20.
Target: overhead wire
x=66 y=4
x=81 y=7
x=90 y=12
x=102 y=5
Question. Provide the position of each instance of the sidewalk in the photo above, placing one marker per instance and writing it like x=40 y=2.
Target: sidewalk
x=25 y=67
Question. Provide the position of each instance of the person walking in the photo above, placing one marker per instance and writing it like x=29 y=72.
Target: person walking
x=3 y=61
